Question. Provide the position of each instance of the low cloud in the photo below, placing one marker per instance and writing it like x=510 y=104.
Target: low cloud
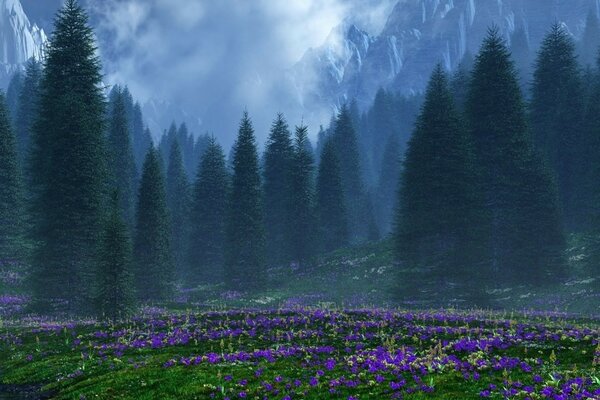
x=215 y=58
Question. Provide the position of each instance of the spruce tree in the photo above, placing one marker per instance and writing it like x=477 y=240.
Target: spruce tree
x=302 y=224
x=517 y=191
x=556 y=114
x=27 y=108
x=440 y=206
x=154 y=270
x=346 y=148
x=278 y=164
x=207 y=219
x=178 y=201
x=122 y=168
x=11 y=195
x=330 y=202
x=68 y=167
x=114 y=296
x=245 y=240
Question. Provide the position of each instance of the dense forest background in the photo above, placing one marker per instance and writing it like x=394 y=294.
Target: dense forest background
x=482 y=180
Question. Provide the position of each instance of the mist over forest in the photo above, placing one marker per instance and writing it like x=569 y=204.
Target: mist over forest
x=435 y=234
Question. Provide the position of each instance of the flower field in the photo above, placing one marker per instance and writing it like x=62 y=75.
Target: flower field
x=309 y=353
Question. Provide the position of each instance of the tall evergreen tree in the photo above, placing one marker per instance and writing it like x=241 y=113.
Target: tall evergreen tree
x=154 y=270
x=518 y=193
x=122 y=168
x=68 y=166
x=27 y=108
x=440 y=207
x=178 y=202
x=278 y=163
x=556 y=115
x=11 y=195
x=346 y=148
x=330 y=202
x=245 y=243
x=208 y=215
x=114 y=296
x=302 y=224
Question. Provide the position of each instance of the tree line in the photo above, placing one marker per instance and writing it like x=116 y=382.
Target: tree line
x=489 y=185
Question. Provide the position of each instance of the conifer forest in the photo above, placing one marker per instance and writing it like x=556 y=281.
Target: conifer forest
x=426 y=231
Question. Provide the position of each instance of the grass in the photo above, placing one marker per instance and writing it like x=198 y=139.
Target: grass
x=334 y=327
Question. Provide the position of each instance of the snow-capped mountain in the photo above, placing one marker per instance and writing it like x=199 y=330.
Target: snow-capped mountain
x=419 y=34
x=19 y=39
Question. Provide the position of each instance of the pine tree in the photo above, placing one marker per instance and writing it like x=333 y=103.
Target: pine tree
x=68 y=167
x=517 y=191
x=278 y=163
x=114 y=296
x=440 y=207
x=154 y=271
x=556 y=114
x=245 y=243
x=11 y=195
x=27 y=108
x=178 y=202
x=122 y=168
x=346 y=148
x=208 y=215
x=330 y=202
x=303 y=221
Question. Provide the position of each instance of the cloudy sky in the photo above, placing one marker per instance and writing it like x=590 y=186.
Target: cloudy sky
x=212 y=58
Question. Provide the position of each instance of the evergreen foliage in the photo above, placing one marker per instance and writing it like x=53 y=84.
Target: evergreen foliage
x=439 y=218
x=27 y=108
x=302 y=224
x=518 y=193
x=68 y=167
x=345 y=145
x=245 y=232
x=278 y=164
x=178 y=203
x=123 y=173
x=330 y=203
x=12 y=228
x=208 y=215
x=114 y=293
x=556 y=113
x=154 y=269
